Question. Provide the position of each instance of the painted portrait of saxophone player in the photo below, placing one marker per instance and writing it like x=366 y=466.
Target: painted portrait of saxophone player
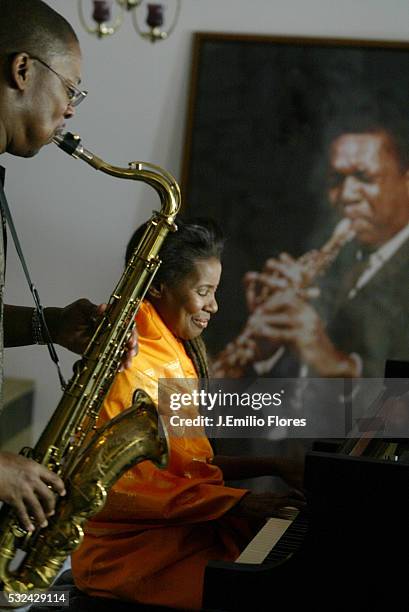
x=300 y=148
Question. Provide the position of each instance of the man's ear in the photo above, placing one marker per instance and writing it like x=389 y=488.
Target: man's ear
x=19 y=70
x=155 y=292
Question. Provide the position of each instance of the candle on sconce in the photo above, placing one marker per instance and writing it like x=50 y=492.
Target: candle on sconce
x=155 y=15
x=108 y=16
x=102 y=11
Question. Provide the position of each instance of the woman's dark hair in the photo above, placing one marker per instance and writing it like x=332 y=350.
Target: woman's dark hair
x=198 y=238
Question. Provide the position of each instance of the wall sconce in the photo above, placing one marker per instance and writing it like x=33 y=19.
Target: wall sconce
x=105 y=24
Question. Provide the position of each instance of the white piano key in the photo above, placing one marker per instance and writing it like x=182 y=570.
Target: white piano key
x=266 y=539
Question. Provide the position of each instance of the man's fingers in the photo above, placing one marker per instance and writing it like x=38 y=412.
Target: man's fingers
x=101 y=309
x=29 y=488
x=286 y=258
x=40 y=499
x=46 y=498
x=83 y=308
x=131 y=350
x=132 y=343
x=125 y=365
x=273 y=282
x=23 y=516
x=250 y=294
x=35 y=509
x=54 y=481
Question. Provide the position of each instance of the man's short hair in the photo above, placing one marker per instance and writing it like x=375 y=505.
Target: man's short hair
x=376 y=121
x=34 y=27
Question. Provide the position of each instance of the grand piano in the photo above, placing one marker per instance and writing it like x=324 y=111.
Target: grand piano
x=348 y=550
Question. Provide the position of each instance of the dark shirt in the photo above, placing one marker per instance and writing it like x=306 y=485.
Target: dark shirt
x=2 y=274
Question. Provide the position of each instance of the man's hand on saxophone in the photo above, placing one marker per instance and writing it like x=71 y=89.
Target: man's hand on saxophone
x=75 y=324
x=71 y=327
x=29 y=488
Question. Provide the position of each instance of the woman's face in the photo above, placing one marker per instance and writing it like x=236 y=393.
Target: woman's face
x=187 y=307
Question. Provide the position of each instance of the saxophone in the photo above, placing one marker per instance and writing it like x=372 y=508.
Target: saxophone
x=241 y=352
x=90 y=460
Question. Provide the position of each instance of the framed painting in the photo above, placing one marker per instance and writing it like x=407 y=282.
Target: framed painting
x=263 y=113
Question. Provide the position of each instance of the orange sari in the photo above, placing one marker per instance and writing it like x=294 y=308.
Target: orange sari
x=159 y=528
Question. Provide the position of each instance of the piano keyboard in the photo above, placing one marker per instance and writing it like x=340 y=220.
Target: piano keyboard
x=279 y=538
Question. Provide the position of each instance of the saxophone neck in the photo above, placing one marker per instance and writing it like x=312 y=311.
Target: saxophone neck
x=158 y=178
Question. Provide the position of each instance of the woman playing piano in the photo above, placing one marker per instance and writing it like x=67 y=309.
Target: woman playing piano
x=159 y=528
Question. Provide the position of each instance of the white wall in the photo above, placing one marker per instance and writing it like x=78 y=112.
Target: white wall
x=73 y=223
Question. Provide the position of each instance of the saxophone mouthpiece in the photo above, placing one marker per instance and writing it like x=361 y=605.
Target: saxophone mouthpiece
x=67 y=141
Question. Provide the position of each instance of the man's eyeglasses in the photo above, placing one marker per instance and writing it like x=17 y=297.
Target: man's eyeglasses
x=75 y=95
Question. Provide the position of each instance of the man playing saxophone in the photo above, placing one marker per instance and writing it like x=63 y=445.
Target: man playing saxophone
x=359 y=320
x=40 y=73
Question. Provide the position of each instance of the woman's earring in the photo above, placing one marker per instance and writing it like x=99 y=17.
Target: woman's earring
x=154 y=292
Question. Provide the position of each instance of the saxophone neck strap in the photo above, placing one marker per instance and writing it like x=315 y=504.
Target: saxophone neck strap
x=6 y=213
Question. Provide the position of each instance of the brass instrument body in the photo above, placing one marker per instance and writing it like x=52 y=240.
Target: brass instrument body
x=89 y=460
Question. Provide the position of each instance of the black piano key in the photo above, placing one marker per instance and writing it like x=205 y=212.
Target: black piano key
x=290 y=541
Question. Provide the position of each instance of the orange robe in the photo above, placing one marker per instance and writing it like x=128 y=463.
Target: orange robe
x=159 y=528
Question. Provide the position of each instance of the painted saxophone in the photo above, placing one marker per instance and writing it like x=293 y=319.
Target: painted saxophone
x=88 y=460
